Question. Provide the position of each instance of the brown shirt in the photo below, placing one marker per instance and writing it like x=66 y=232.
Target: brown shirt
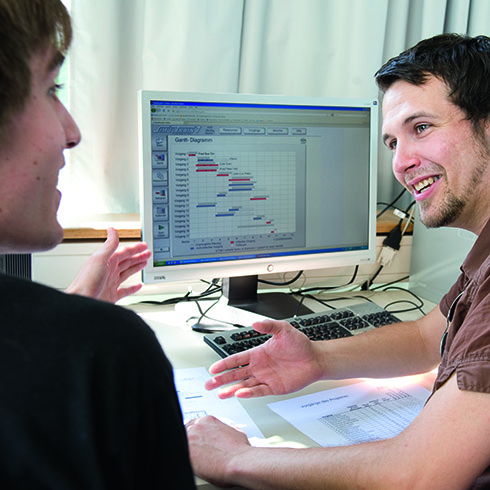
x=467 y=348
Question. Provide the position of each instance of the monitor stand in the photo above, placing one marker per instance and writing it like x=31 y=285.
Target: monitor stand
x=242 y=292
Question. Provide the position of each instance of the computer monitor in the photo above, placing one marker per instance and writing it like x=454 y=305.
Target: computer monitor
x=237 y=186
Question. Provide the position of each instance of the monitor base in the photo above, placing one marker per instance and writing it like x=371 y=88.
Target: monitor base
x=241 y=293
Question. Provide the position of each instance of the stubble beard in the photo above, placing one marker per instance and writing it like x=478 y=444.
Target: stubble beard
x=450 y=210
x=453 y=206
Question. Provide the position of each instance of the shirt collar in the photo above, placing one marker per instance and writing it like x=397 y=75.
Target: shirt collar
x=478 y=253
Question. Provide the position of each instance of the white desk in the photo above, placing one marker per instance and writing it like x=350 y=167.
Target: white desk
x=186 y=348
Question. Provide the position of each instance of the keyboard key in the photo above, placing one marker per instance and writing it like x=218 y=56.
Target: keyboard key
x=333 y=324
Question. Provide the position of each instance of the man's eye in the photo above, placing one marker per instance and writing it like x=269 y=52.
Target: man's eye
x=392 y=145
x=421 y=127
x=56 y=88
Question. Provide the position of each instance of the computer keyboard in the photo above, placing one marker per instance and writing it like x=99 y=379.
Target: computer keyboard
x=325 y=325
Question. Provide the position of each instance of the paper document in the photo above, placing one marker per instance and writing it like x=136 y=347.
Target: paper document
x=196 y=401
x=357 y=413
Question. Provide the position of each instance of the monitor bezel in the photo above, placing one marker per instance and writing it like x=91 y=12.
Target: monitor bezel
x=254 y=266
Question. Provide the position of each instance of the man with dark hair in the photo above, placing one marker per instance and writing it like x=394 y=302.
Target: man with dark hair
x=87 y=397
x=436 y=111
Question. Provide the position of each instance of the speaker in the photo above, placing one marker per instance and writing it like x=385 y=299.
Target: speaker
x=18 y=265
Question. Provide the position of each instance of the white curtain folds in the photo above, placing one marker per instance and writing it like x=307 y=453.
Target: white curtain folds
x=292 y=47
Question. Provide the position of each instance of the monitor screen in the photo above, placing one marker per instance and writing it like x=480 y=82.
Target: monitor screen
x=239 y=185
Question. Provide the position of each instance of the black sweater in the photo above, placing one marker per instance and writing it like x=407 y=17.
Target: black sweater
x=87 y=397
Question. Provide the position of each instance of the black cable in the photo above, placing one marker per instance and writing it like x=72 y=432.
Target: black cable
x=380 y=286
x=392 y=242
x=410 y=206
x=405 y=310
x=287 y=283
x=329 y=288
x=368 y=282
x=407 y=210
x=213 y=288
x=391 y=204
x=204 y=314
x=340 y=298
x=418 y=298
x=211 y=329
x=300 y=304
x=310 y=296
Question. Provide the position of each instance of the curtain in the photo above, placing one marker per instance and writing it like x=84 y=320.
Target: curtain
x=292 y=47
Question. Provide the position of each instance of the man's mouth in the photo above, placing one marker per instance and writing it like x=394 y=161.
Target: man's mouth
x=424 y=185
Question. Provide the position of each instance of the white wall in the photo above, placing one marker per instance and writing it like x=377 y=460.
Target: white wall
x=58 y=267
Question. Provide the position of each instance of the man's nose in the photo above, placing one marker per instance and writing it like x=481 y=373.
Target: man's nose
x=72 y=132
x=404 y=159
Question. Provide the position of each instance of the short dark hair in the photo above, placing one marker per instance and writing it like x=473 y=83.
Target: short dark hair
x=26 y=27
x=461 y=62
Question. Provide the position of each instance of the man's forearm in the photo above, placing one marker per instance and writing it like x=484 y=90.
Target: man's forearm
x=394 y=350
x=318 y=468
x=427 y=455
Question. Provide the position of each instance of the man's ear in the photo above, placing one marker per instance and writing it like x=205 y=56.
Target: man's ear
x=481 y=130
